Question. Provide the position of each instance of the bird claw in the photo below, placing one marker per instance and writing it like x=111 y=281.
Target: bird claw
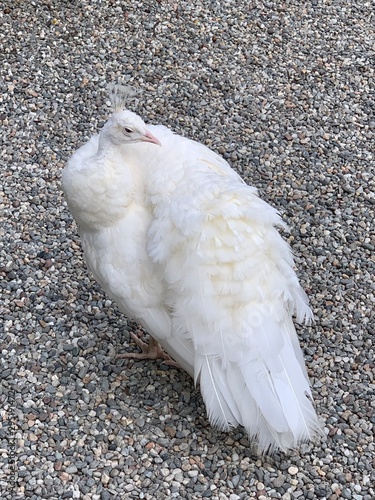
x=152 y=350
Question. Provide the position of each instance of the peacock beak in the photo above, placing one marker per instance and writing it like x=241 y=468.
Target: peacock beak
x=148 y=137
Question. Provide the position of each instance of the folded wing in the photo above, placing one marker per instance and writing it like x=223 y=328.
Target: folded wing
x=232 y=292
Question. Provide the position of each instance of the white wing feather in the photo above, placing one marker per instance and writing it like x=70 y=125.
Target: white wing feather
x=232 y=289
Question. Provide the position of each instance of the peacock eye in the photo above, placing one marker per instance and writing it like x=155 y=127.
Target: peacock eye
x=128 y=130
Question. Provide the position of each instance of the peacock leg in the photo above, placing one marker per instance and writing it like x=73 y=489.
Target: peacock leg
x=151 y=350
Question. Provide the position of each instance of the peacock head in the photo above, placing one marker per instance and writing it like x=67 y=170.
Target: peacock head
x=126 y=127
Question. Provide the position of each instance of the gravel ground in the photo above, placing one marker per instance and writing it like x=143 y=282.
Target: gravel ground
x=284 y=90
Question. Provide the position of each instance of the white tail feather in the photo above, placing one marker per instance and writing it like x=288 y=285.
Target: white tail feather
x=268 y=393
x=221 y=406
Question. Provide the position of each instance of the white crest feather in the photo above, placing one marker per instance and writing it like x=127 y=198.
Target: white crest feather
x=120 y=95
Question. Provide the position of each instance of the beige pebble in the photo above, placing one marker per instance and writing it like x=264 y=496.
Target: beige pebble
x=293 y=470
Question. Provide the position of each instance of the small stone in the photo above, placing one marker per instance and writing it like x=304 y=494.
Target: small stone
x=170 y=431
x=64 y=476
x=71 y=469
x=193 y=473
x=278 y=481
x=293 y=470
x=105 y=478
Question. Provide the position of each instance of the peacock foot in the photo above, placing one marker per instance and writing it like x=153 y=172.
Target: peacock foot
x=151 y=350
